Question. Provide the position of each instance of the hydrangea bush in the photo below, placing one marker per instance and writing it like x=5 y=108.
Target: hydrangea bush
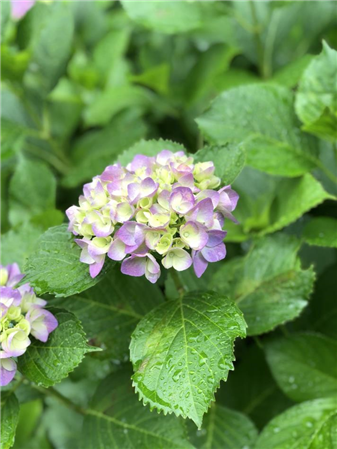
x=186 y=299
x=22 y=315
x=161 y=210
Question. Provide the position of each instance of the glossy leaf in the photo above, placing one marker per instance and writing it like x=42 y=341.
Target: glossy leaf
x=182 y=349
x=55 y=265
x=110 y=310
x=48 y=363
x=310 y=425
x=321 y=231
x=228 y=159
x=9 y=418
x=274 y=142
x=118 y=420
x=269 y=290
x=304 y=365
x=316 y=99
x=223 y=429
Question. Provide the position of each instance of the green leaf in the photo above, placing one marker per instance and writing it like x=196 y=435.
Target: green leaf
x=110 y=310
x=182 y=349
x=269 y=290
x=273 y=142
x=304 y=365
x=252 y=389
x=321 y=231
x=157 y=78
x=118 y=420
x=316 y=99
x=149 y=148
x=9 y=418
x=108 y=144
x=228 y=159
x=310 y=425
x=32 y=190
x=115 y=99
x=165 y=17
x=55 y=265
x=294 y=198
x=48 y=363
x=290 y=75
x=223 y=429
x=49 y=52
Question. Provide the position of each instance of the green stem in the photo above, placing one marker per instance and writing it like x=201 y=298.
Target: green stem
x=179 y=286
x=63 y=399
x=258 y=40
x=327 y=172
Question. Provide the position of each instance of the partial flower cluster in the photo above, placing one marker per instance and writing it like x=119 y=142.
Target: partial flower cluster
x=162 y=209
x=21 y=314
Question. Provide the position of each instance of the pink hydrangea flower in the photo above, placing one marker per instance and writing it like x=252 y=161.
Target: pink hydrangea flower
x=21 y=7
x=157 y=211
x=22 y=314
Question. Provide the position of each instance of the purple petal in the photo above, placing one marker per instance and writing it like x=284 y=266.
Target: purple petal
x=7 y=369
x=202 y=212
x=215 y=253
x=199 y=264
x=134 y=266
x=182 y=200
x=194 y=235
x=164 y=157
x=215 y=237
x=9 y=296
x=148 y=188
x=20 y=7
x=212 y=194
x=112 y=173
x=152 y=271
x=117 y=250
x=96 y=268
x=132 y=233
x=14 y=275
x=42 y=323
x=134 y=192
x=140 y=162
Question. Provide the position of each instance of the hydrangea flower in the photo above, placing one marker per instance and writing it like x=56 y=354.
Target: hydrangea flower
x=21 y=7
x=161 y=210
x=21 y=315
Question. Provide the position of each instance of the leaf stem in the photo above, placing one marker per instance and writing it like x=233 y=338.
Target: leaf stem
x=177 y=282
x=50 y=391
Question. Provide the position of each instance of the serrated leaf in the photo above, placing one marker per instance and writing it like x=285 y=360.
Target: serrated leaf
x=252 y=389
x=269 y=290
x=55 y=265
x=182 y=349
x=316 y=98
x=321 y=231
x=32 y=190
x=274 y=142
x=9 y=419
x=149 y=148
x=48 y=363
x=118 y=420
x=110 y=310
x=304 y=365
x=310 y=425
x=228 y=159
x=223 y=429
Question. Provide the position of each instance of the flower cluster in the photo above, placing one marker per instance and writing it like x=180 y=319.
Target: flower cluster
x=21 y=314
x=161 y=208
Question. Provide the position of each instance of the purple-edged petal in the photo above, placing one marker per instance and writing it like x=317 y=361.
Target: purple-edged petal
x=42 y=323
x=117 y=250
x=7 y=369
x=202 y=212
x=96 y=268
x=140 y=162
x=15 y=342
x=177 y=258
x=182 y=200
x=20 y=7
x=134 y=266
x=132 y=233
x=200 y=264
x=215 y=253
x=124 y=211
x=10 y=296
x=215 y=237
x=148 y=188
x=152 y=270
x=212 y=194
x=194 y=235
x=228 y=197
x=164 y=157
x=112 y=173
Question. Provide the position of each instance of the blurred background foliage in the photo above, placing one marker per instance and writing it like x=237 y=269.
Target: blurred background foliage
x=84 y=81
